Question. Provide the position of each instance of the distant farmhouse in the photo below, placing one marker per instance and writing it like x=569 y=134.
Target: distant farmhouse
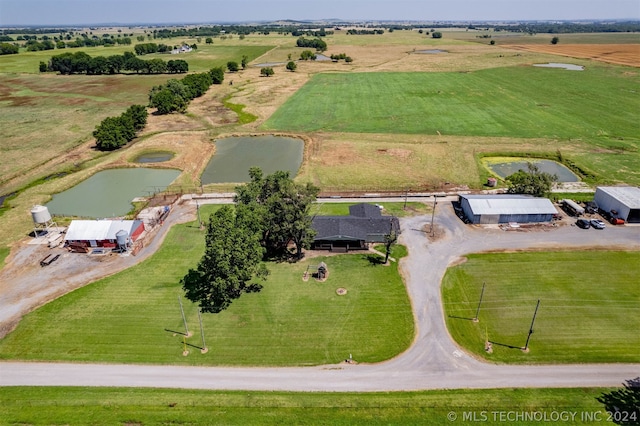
x=182 y=49
x=365 y=224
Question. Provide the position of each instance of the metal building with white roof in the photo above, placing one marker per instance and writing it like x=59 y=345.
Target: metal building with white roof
x=101 y=233
x=504 y=208
x=625 y=200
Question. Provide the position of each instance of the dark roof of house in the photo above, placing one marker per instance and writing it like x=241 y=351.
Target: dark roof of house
x=365 y=223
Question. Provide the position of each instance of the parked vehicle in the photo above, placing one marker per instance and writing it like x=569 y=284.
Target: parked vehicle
x=583 y=223
x=597 y=224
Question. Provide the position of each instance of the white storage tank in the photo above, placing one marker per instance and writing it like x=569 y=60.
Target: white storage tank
x=122 y=237
x=40 y=215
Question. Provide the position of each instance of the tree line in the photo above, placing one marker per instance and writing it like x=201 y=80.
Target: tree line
x=82 y=63
x=364 y=32
x=270 y=212
x=114 y=132
x=175 y=95
x=318 y=44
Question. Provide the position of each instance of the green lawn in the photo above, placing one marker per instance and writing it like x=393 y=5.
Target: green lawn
x=290 y=322
x=589 y=306
x=392 y=209
x=108 y=406
x=600 y=102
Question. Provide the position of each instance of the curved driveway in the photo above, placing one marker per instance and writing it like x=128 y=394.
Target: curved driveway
x=432 y=362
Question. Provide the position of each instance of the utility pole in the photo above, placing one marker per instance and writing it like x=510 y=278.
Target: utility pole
x=198 y=210
x=433 y=213
x=526 y=345
x=204 y=349
x=478 y=310
x=184 y=319
x=406 y=193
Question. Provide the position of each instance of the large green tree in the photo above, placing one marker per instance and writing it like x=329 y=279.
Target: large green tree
x=232 y=258
x=532 y=182
x=281 y=208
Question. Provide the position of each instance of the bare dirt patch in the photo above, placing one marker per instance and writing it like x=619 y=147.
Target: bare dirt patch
x=620 y=54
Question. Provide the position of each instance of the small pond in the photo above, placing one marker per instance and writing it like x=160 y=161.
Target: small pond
x=570 y=67
x=236 y=155
x=510 y=167
x=269 y=64
x=109 y=193
x=154 y=157
x=431 y=51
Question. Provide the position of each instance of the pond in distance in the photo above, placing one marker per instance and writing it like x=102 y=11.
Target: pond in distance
x=154 y=157
x=236 y=155
x=109 y=193
x=507 y=168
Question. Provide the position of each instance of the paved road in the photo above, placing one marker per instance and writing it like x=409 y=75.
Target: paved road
x=433 y=361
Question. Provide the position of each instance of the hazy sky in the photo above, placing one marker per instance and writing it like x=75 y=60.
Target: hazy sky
x=74 y=12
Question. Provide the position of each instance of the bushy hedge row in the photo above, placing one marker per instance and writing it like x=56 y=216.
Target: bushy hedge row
x=115 y=132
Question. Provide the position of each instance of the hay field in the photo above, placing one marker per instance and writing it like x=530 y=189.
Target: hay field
x=620 y=54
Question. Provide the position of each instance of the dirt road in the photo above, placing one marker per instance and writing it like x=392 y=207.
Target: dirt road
x=433 y=362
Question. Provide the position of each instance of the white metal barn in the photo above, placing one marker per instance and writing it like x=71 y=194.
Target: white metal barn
x=625 y=200
x=487 y=209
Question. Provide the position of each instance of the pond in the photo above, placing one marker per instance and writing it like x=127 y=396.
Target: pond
x=236 y=155
x=510 y=167
x=109 y=193
x=431 y=51
x=154 y=157
x=570 y=67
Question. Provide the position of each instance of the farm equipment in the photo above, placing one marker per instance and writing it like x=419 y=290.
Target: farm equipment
x=48 y=260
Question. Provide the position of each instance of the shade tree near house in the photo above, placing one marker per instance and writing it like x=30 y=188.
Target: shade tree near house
x=281 y=207
x=232 y=258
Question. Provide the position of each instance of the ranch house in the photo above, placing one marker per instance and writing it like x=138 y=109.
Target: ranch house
x=364 y=225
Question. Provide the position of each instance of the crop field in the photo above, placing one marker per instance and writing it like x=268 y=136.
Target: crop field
x=132 y=316
x=108 y=406
x=519 y=102
x=589 y=306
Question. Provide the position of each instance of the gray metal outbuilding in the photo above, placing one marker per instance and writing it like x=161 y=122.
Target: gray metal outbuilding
x=625 y=200
x=503 y=208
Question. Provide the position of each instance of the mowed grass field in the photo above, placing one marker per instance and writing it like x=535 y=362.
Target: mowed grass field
x=290 y=322
x=589 y=306
x=108 y=406
x=518 y=102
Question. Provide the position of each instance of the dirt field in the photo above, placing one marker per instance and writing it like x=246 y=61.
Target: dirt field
x=620 y=54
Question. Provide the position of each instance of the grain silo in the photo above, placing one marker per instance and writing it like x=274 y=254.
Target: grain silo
x=122 y=239
x=42 y=220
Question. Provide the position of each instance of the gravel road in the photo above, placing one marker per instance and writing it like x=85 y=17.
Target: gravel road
x=434 y=361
